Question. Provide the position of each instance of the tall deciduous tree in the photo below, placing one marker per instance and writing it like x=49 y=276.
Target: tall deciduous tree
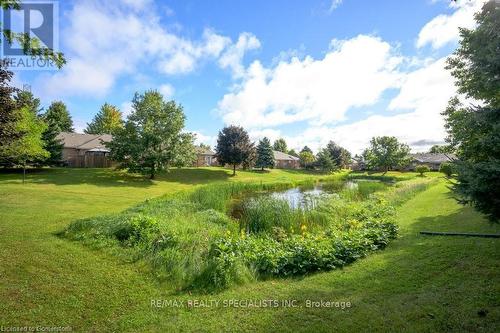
x=152 y=139
x=385 y=153
x=58 y=114
x=265 y=155
x=106 y=121
x=280 y=145
x=474 y=131
x=340 y=156
x=233 y=146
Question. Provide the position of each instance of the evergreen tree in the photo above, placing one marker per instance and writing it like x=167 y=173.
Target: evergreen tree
x=307 y=149
x=474 y=131
x=340 y=156
x=293 y=153
x=106 y=121
x=52 y=144
x=324 y=161
x=58 y=114
x=7 y=107
x=25 y=99
x=265 y=155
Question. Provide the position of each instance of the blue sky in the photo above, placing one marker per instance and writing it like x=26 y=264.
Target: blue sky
x=308 y=71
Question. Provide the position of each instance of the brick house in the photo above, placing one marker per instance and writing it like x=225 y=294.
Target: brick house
x=432 y=160
x=205 y=157
x=85 y=150
x=285 y=161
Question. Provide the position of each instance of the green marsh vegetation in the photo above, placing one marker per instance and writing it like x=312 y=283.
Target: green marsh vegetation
x=191 y=240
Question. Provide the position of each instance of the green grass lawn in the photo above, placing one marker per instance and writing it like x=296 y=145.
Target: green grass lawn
x=419 y=283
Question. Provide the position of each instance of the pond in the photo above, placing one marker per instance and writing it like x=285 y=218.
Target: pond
x=307 y=197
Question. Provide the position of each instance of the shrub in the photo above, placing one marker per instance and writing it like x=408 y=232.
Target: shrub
x=421 y=169
x=447 y=169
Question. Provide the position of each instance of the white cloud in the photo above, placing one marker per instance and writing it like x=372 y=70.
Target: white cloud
x=184 y=55
x=353 y=74
x=233 y=55
x=205 y=139
x=106 y=40
x=271 y=134
x=424 y=91
x=79 y=125
x=126 y=109
x=333 y=5
x=167 y=90
x=443 y=29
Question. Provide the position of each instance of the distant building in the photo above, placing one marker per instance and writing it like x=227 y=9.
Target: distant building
x=432 y=160
x=285 y=161
x=205 y=157
x=85 y=150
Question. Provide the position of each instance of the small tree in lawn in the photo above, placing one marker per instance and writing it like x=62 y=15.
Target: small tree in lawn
x=421 y=169
x=265 y=155
x=106 y=121
x=280 y=145
x=306 y=158
x=233 y=146
x=29 y=147
x=58 y=114
x=54 y=146
x=447 y=169
x=385 y=153
x=152 y=138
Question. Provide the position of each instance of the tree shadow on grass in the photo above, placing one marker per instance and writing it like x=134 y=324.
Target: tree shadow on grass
x=108 y=177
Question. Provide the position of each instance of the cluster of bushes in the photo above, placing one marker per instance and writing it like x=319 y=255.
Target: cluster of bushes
x=282 y=254
x=189 y=239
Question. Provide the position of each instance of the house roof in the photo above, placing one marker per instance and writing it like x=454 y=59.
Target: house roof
x=279 y=156
x=433 y=157
x=204 y=151
x=84 y=141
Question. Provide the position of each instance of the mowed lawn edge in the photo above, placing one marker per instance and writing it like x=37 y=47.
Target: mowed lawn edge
x=419 y=283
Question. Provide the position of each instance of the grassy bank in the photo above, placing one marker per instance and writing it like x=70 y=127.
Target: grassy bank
x=416 y=284
x=190 y=242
